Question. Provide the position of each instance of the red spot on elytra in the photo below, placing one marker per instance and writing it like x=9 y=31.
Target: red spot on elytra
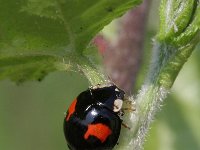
x=98 y=130
x=71 y=109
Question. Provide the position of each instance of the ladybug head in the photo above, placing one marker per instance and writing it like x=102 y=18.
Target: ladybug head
x=118 y=102
x=109 y=96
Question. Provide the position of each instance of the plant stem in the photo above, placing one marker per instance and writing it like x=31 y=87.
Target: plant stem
x=148 y=102
x=171 y=50
x=167 y=62
x=92 y=72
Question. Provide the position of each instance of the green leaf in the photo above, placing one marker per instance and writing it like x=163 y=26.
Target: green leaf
x=176 y=16
x=41 y=33
x=192 y=32
x=178 y=35
x=22 y=68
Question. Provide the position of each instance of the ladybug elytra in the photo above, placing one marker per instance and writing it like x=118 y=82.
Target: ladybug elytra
x=93 y=119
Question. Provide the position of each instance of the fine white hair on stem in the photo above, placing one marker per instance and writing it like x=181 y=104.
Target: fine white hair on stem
x=147 y=103
x=155 y=96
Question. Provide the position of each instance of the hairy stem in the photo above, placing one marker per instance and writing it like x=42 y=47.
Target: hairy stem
x=168 y=59
x=162 y=74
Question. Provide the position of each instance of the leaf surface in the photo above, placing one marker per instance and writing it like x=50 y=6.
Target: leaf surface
x=36 y=36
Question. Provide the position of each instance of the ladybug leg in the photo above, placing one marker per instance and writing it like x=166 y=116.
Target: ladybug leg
x=128 y=105
x=121 y=114
x=125 y=126
x=128 y=100
x=129 y=109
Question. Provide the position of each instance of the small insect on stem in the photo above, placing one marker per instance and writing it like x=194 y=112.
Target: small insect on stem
x=93 y=120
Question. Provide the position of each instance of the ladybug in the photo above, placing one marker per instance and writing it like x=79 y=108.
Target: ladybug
x=93 y=120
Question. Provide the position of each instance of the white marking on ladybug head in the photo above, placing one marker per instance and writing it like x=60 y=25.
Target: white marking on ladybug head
x=117 y=90
x=117 y=105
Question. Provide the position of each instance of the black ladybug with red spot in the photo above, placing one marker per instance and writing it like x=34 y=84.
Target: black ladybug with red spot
x=93 y=119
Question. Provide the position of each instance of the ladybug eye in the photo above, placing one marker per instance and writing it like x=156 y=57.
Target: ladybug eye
x=117 y=105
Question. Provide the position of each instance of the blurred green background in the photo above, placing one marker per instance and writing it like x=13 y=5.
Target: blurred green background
x=31 y=114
